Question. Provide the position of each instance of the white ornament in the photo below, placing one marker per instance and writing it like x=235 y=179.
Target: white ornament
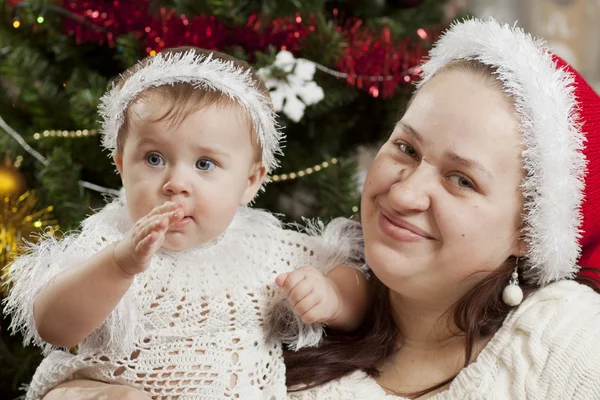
x=298 y=90
x=512 y=295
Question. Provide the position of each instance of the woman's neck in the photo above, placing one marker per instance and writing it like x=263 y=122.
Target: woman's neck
x=431 y=349
x=424 y=323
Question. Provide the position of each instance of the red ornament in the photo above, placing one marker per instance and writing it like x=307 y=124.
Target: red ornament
x=114 y=19
x=170 y=29
x=373 y=61
x=259 y=33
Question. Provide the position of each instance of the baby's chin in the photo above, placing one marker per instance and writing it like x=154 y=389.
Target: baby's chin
x=177 y=241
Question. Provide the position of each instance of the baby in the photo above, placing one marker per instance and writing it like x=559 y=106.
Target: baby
x=171 y=291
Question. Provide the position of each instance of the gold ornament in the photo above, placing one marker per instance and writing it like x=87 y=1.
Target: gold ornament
x=11 y=180
x=20 y=217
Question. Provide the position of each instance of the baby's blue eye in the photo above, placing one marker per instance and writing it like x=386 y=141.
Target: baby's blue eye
x=205 y=165
x=155 y=160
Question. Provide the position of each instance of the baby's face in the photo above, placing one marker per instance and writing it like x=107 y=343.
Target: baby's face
x=208 y=162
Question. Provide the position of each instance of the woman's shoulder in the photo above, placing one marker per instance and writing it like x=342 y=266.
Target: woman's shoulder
x=554 y=313
x=356 y=386
x=552 y=338
x=567 y=300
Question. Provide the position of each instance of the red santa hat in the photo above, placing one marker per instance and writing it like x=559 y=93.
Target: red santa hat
x=559 y=117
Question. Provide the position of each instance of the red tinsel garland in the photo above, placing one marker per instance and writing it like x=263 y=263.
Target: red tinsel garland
x=377 y=64
x=170 y=29
x=372 y=61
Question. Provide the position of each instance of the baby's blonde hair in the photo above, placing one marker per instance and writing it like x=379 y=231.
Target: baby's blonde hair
x=182 y=99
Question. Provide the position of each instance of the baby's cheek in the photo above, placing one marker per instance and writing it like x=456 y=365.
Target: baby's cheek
x=135 y=212
x=218 y=217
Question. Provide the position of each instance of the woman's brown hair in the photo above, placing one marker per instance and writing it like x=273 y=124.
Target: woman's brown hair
x=480 y=313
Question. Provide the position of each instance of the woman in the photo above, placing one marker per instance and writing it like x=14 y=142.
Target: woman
x=477 y=214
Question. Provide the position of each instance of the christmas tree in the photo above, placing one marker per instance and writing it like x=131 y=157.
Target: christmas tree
x=340 y=72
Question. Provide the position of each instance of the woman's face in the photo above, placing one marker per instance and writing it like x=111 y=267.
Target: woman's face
x=442 y=199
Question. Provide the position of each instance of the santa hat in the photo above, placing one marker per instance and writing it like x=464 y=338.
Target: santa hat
x=559 y=117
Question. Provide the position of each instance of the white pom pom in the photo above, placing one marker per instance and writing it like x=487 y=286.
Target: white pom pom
x=512 y=295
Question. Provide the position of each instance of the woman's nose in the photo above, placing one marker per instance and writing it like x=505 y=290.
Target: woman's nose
x=410 y=193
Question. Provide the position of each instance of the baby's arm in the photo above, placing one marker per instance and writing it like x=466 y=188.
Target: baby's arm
x=79 y=299
x=329 y=287
x=338 y=299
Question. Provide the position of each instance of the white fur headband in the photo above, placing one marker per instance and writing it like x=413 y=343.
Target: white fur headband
x=204 y=72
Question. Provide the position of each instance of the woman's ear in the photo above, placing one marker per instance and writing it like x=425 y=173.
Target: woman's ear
x=522 y=246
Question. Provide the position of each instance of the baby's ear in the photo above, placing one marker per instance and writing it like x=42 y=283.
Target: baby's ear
x=118 y=158
x=255 y=180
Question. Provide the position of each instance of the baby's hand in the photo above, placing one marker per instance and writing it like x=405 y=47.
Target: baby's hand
x=312 y=295
x=134 y=252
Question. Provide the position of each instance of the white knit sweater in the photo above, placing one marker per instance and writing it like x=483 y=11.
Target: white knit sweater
x=195 y=324
x=547 y=349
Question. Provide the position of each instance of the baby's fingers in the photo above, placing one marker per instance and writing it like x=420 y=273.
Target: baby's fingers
x=175 y=216
x=300 y=291
x=292 y=280
x=166 y=207
x=280 y=280
x=144 y=246
x=150 y=243
x=159 y=223
x=163 y=209
x=308 y=309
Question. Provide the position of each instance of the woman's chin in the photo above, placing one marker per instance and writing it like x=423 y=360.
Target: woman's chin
x=392 y=266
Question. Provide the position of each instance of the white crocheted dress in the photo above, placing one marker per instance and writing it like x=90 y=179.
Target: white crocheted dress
x=195 y=324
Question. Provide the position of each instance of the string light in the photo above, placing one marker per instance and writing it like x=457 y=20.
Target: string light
x=18 y=162
x=71 y=134
x=16 y=24
x=19 y=139
x=114 y=192
x=307 y=171
x=275 y=178
x=92 y=132
x=40 y=19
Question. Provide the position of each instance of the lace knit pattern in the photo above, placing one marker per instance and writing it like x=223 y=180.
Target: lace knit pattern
x=194 y=325
x=547 y=349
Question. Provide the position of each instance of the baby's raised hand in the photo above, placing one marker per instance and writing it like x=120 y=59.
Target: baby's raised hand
x=134 y=252
x=312 y=295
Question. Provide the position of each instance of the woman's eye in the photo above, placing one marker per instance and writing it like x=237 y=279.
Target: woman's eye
x=408 y=150
x=205 y=165
x=155 y=160
x=462 y=182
